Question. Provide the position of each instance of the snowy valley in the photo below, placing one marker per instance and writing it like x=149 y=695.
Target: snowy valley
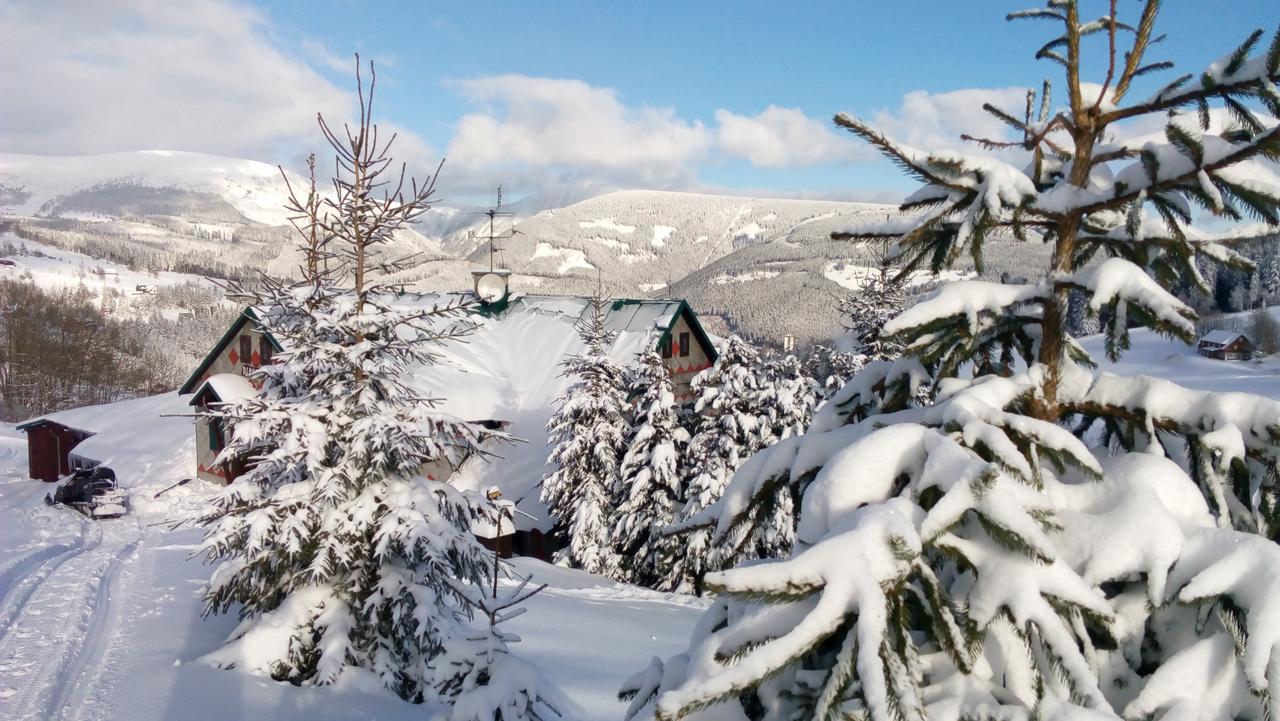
x=734 y=258
x=320 y=445
x=103 y=620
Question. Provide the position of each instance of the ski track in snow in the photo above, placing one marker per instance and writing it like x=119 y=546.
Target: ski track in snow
x=55 y=620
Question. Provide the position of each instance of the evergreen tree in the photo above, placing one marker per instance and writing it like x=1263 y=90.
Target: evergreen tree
x=333 y=546
x=880 y=297
x=651 y=477
x=1270 y=274
x=478 y=675
x=831 y=367
x=589 y=433
x=728 y=428
x=976 y=558
x=788 y=396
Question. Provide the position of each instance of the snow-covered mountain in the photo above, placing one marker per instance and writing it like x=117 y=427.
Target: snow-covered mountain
x=164 y=210
x=149 y=182
x=651 y=238
x=741 y=261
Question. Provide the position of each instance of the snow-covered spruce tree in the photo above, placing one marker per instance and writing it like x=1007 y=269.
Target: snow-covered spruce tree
x=1045 y=541
x=652 y=476
x=728 y=428
x=831 y=367
x=477 y=672
x=334 y=547
x=881 y=296
x=788 y=396
x=589 y=433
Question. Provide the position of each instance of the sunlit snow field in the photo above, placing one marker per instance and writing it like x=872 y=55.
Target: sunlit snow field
x=103 y=621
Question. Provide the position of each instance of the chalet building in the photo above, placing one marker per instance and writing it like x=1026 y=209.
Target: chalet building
x=1226 y=345
x=507 y=374
x=222 y=377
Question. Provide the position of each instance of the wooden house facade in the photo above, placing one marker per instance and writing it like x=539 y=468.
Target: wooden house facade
x=1226 y=345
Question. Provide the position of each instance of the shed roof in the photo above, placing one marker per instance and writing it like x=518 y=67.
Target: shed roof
x=225 y=387
x=143 y=439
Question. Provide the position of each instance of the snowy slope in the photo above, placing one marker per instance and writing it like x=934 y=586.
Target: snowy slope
x=54 y=269
x=1174 y=360
x=644 y=236
x=41 y=185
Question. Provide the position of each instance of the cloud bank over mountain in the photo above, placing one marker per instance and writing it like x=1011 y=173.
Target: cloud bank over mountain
x=219 y=77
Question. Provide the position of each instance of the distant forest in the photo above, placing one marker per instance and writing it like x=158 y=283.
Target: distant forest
x=65 y=349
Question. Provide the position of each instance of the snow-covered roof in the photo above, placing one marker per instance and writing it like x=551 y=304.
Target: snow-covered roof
x=1222 y=337
x=226 y=387
x=509 y=370
x=143 y=440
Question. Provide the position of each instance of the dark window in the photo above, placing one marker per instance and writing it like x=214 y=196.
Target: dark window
x=665 y=346
x=216 y=438
x=264 y=349
x=246 y=349
x=684 y=344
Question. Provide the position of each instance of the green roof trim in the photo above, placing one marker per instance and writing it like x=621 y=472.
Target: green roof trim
x=248 y=314
x=685 y=310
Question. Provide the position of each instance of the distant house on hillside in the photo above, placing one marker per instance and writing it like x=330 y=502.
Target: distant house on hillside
x=505 y=375
x=1226 y=345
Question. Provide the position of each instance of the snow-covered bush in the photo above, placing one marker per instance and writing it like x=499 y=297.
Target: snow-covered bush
x=1044 y=541
x=589 y=433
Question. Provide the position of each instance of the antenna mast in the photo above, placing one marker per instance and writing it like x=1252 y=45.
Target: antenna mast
x=493 y=213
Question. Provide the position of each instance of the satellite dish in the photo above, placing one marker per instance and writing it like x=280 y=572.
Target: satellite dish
x=491 y=287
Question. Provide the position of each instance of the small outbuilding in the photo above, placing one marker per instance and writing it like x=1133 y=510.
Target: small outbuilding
x=138 y=437
x=1226 y=345
x=49 y=446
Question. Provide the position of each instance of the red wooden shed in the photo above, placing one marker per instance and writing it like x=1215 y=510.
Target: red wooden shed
x=49 y=445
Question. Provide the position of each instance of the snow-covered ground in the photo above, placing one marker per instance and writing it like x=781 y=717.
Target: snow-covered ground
x=1173 y=360
x=852 y=276
x=103 y=620
x=54 y=269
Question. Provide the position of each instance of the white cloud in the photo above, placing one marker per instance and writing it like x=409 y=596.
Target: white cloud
x=783 y=138
x=90 y=77
x=574 y=132
x=934 y=121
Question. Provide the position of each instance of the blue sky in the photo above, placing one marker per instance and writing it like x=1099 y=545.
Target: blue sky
x=571 y=97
